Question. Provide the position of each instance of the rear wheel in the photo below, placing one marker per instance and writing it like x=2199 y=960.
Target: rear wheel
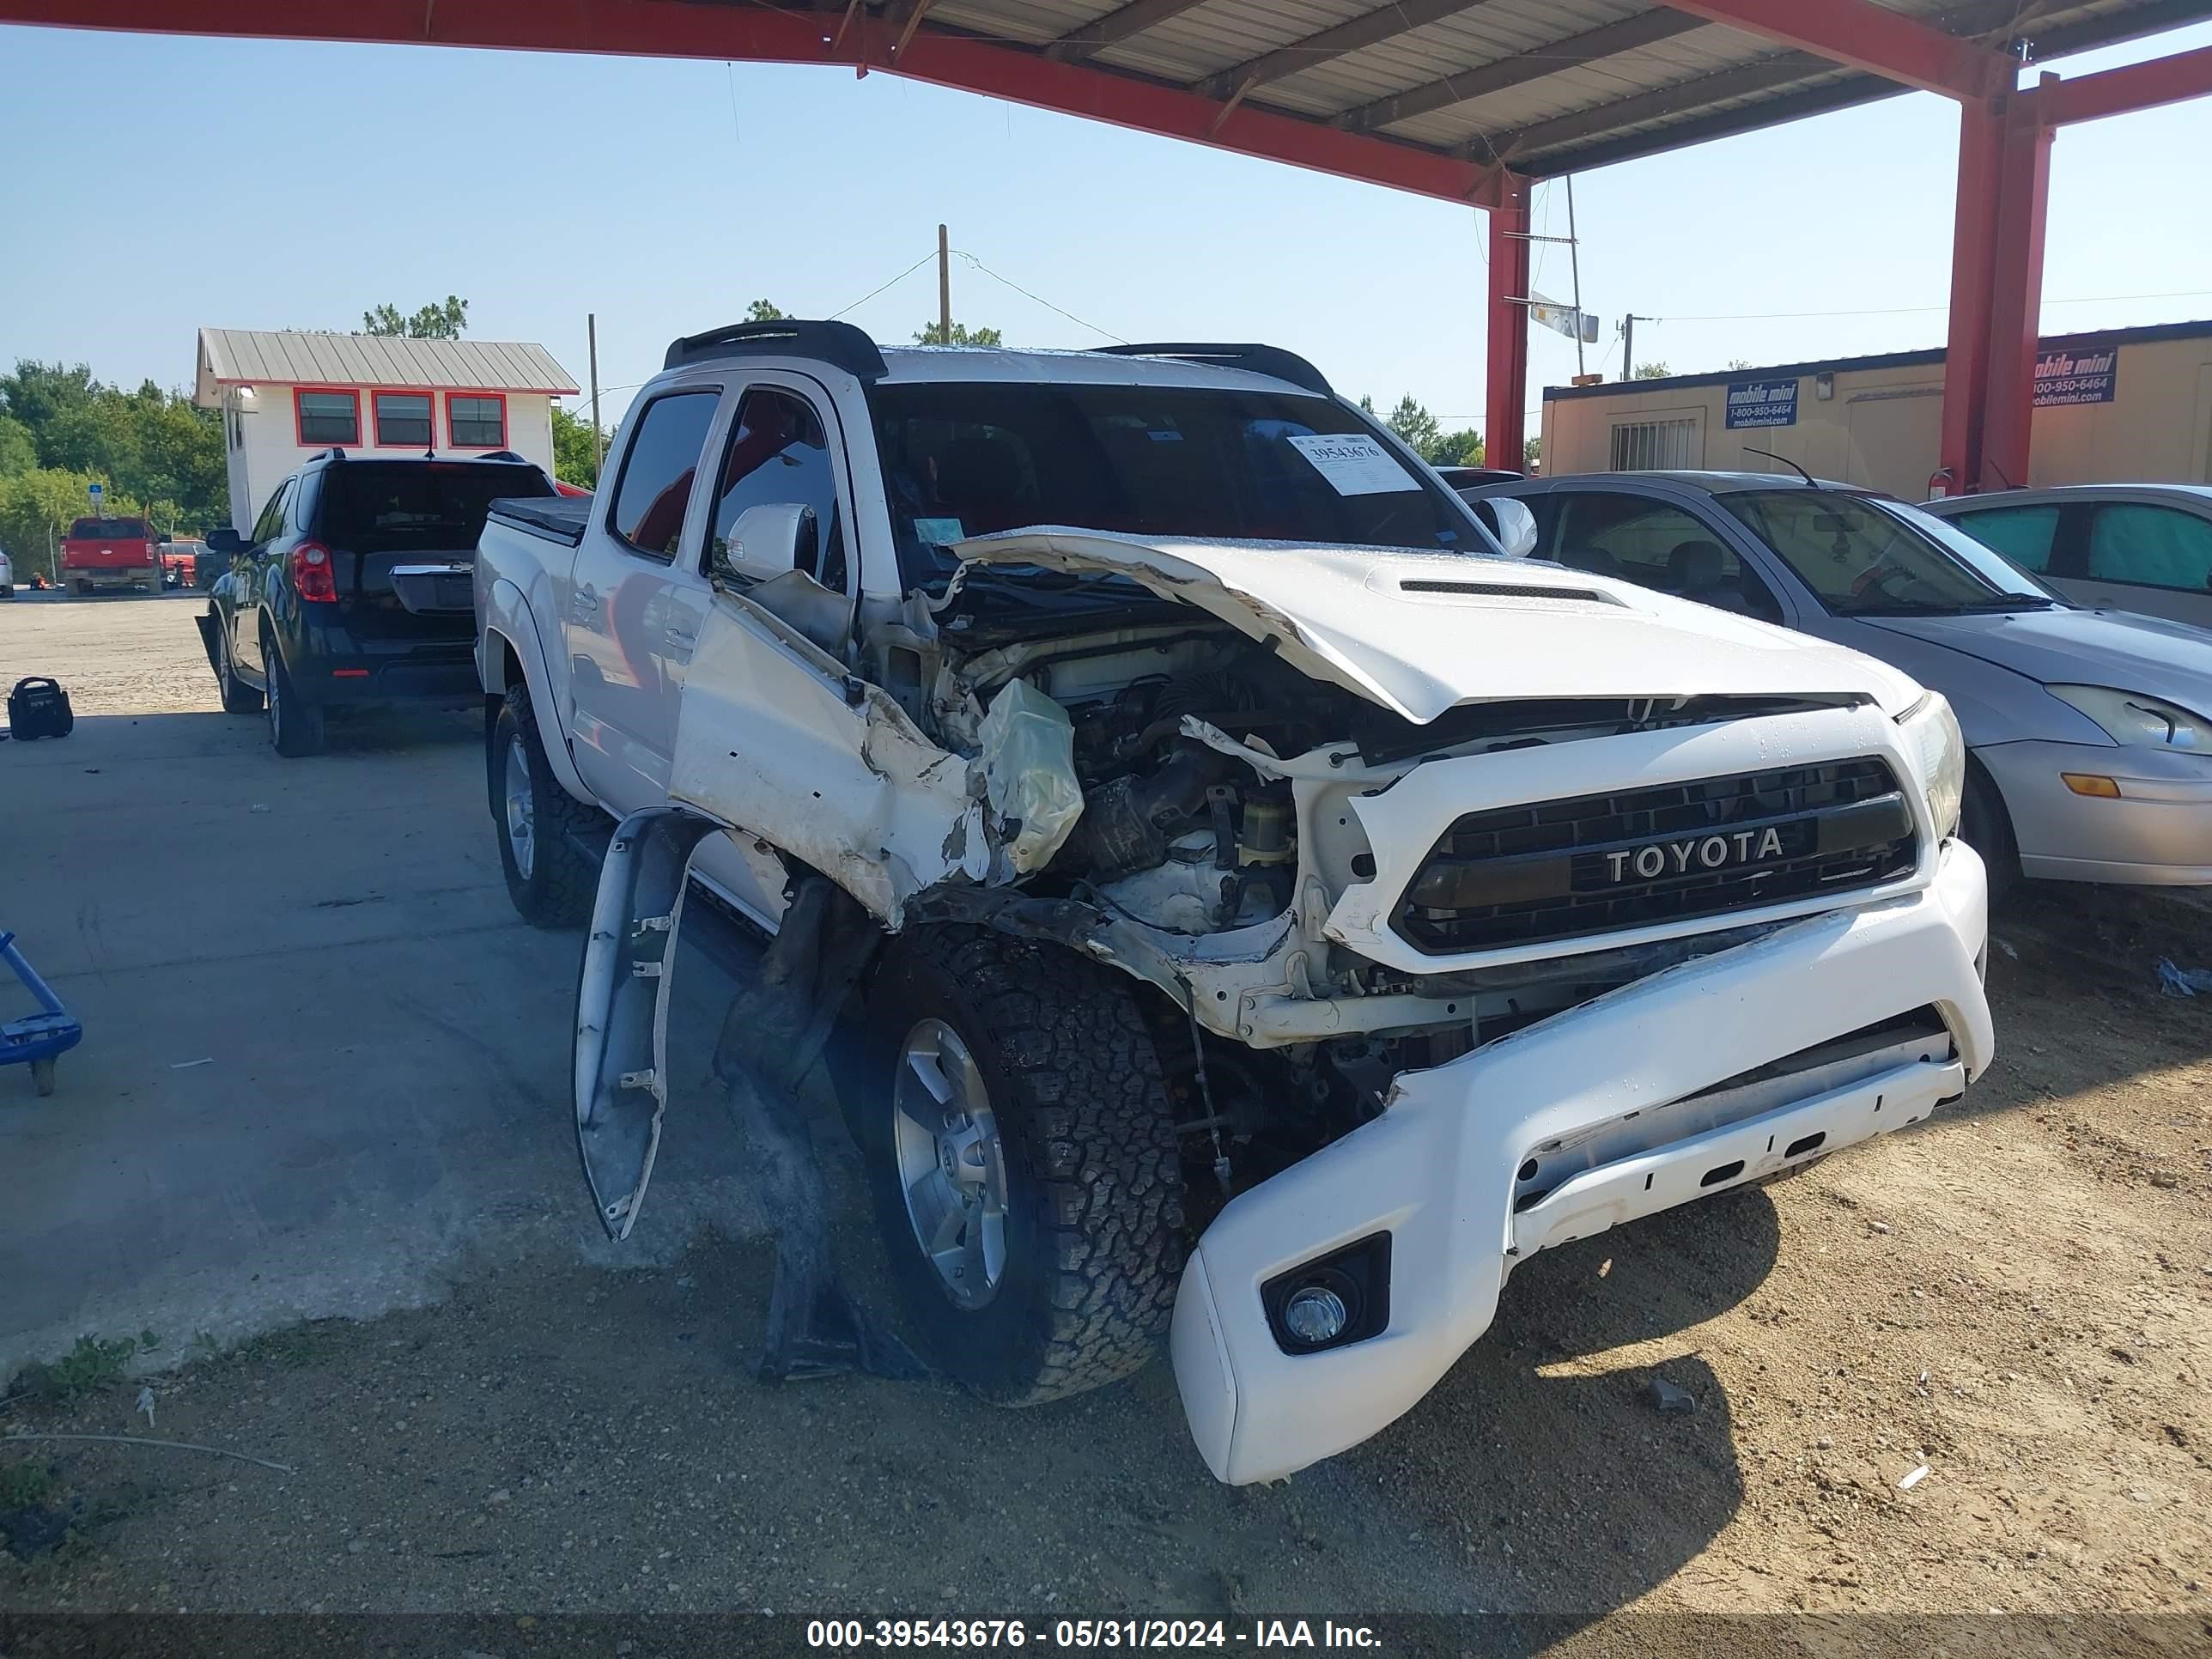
x=294 y=727
x=549 y=879
x=1021 y=1155
x=1985 y=826
x=238 y=697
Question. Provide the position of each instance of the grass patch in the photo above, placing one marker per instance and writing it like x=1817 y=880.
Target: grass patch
x=85 y=1369
x=293 y=1348
x=23 y=1484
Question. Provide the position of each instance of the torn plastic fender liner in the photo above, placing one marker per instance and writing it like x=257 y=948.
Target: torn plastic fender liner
x=774 y=737
x=619 y=1060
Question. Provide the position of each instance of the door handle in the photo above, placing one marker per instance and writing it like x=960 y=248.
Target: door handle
x=584 y=602
x=679 y=639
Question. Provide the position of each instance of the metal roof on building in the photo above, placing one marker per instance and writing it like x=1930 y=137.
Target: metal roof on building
x=2086 y=339
x=1543 y=87
x=229 y=357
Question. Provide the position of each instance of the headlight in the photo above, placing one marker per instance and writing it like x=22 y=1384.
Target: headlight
x=2129 y=718
x=1938 y=749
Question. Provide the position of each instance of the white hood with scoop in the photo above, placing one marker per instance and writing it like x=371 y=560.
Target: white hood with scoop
x=1418 y=632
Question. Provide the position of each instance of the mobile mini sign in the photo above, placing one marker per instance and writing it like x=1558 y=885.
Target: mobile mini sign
x=1762 y=403
x=2082 y=375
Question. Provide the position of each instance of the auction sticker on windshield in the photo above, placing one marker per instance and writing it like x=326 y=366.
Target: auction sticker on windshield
x=1354 y=463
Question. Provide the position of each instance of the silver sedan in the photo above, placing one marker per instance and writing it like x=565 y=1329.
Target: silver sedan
x=2090 y=731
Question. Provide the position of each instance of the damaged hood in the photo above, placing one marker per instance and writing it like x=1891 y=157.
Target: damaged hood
x=1419 y=633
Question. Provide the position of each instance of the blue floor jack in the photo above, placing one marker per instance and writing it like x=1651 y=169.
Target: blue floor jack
x=36 y=1041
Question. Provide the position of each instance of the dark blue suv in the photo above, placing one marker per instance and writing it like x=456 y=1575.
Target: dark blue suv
x=356 y=589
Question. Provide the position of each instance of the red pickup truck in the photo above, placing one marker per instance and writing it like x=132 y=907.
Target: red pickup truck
x=111 y=555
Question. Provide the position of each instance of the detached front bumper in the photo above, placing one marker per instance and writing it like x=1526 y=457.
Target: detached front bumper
x=1610 y=1096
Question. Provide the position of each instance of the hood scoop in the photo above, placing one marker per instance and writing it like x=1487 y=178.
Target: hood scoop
x=1418 y=633
x=1506 y=591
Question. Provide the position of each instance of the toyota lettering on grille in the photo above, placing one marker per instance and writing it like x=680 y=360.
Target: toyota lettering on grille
x=1676 y=858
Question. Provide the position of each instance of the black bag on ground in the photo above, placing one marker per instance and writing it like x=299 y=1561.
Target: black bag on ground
x=39 y=708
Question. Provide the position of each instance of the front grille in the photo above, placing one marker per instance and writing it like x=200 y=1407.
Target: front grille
x=1639 y=858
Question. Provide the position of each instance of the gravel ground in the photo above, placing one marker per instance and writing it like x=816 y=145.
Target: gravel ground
x=2016 y=1296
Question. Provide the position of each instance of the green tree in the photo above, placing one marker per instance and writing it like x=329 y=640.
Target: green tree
x=37 y=506
x=575 y=459
x=1426 y=437
x=1652 y=371
x=18 y=453
x=1461 y=448
x=1414 y=424
x=764 y=311
x=1532 y=453
x=933 y=334
x=146 y=445
x=1739 y=362
x=432 y=322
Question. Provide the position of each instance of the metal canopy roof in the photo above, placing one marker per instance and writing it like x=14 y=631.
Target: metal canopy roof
x=1541 y=87
x=1462 y=100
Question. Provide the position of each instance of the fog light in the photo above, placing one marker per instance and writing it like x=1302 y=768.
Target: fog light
x=2089 y=783
x=1316 y=1315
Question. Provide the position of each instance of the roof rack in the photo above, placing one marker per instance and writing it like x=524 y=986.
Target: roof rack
x=832 y=343
x=1259 y=359
x=331 y=454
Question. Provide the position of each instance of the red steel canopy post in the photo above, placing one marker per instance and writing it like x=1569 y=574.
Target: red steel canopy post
x=1505 y=400
x=2016 y=301
x=1996 y=291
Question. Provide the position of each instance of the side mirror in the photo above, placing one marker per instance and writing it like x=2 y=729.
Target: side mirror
x=223 y=539
x=1515 y=524
x=766 y=542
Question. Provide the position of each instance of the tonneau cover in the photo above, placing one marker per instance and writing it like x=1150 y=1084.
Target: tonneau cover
x=562 y=517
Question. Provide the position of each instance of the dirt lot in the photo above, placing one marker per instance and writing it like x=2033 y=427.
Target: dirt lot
x=2017 y=1296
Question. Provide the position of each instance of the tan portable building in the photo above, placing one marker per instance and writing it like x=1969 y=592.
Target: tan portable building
x=2130 y=405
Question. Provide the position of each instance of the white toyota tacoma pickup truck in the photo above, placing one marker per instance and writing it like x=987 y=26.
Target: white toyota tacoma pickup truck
x=1284 y=913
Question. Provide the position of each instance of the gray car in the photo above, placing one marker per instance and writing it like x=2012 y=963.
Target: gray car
x=2090 y=731
x=2146 y=548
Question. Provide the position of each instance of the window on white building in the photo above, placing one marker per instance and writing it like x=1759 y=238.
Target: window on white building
x=476 y=420
x=329 y=417
x=403 y=419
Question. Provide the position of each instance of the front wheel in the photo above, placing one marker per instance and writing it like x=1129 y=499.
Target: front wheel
x=549 y=879
x=1021 y=1152
x=295 y=728
x=238 y=697
x=1985 y=825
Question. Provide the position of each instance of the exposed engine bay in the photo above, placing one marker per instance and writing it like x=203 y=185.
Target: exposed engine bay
x=1215 y=837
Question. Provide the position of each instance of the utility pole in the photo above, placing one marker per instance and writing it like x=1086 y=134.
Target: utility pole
x=1574 y=267
x=944 y=288
x=598 y=443
x=1628 y=344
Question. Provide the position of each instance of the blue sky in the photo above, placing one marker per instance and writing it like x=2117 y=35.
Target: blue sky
x=283 y=184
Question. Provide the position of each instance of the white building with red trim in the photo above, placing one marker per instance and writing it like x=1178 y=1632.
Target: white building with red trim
x=285 y=395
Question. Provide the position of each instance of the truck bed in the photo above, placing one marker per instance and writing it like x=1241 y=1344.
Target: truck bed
x=556 y=518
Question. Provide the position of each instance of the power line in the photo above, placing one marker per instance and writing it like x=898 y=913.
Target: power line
x=1038 y=298
x=894 y=282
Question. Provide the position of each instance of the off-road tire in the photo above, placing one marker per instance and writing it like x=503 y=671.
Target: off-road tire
x=295 y=729
x=1985 y=826
x=238 y=697
x=559 y=890
x=1094 y=1200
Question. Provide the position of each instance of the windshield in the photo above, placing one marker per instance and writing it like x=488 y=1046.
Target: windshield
x=407 y=506
x=1863 y=557
x=107 y=530
x=964 y=458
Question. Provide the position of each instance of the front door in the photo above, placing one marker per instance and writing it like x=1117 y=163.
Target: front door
x=251 y=576
x=2146 y=557
x=634 y=586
